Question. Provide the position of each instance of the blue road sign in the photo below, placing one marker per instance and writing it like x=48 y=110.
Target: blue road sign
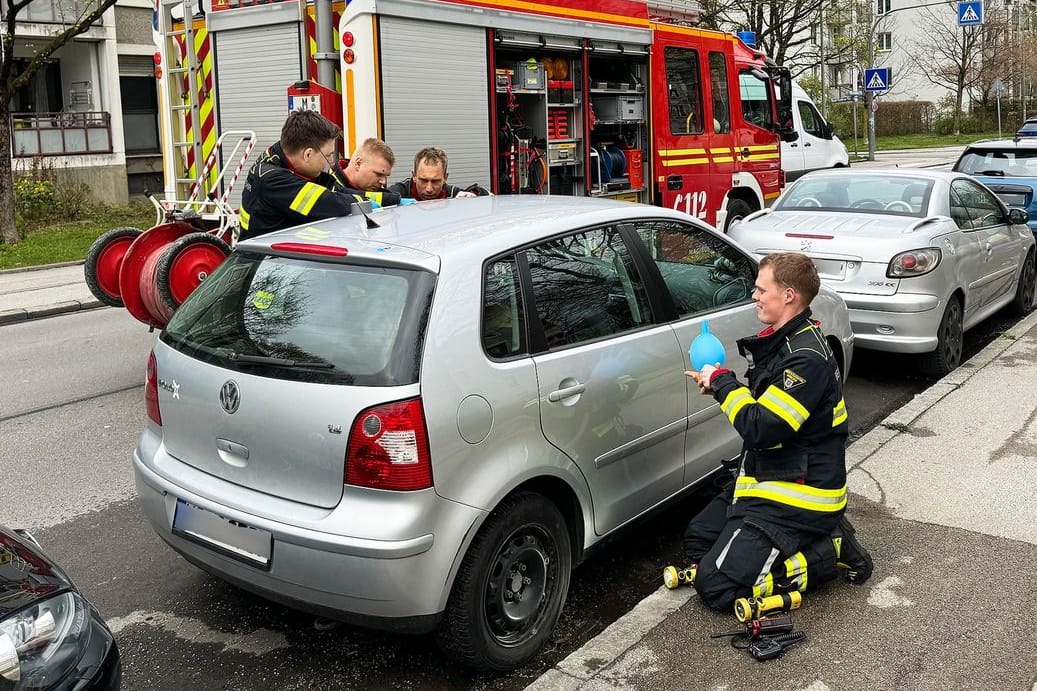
x=877 y=79
x=970 y=13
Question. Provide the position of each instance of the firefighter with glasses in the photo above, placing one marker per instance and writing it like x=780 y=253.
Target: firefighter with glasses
x=778 y=526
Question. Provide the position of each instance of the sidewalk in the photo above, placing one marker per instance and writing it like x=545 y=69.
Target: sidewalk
x=34 y=293
x=944 y=494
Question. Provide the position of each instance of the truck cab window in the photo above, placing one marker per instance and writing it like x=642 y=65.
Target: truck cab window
x=685 y=86
x=721 y=99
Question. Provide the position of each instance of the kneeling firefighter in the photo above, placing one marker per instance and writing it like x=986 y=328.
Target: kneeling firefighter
x=779 y=525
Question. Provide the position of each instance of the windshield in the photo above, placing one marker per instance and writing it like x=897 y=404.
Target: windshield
x=1012 y=163
x=902 y=196
x=306 y=320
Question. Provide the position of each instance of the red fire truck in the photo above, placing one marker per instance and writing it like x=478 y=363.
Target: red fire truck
x=614 y=98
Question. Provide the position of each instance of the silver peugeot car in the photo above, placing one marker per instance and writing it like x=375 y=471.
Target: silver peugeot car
x=421 y=420
x=919 y=256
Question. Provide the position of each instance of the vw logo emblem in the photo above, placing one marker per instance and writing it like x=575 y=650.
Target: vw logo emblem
x=230 y=396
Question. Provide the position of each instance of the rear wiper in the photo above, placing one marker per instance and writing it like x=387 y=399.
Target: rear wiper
x=993 y=173
x=276 y=361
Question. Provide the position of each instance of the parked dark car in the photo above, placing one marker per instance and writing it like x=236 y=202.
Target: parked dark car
x=51 y=638
x=1028 y=129
x=1008 y=167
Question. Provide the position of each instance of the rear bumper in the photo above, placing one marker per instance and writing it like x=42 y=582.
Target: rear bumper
x=400 y=584
x=898 y=323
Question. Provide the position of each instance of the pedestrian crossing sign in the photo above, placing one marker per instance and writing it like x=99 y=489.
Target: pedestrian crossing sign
x=970 y=13
x=877 y=79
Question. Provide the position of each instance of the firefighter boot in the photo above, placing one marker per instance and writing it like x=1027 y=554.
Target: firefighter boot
x=674 y=578
x=850 y=553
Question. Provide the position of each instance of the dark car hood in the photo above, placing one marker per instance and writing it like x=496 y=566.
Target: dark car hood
x=26 y=574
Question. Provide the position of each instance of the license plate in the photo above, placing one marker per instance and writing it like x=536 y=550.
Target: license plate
x=233 y=538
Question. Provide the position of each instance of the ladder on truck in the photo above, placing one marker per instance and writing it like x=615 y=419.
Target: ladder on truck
x=183 y=85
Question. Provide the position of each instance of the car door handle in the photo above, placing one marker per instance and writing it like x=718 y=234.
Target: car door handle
x=807 y=144
x=674 y=182
x=793 y=145
x=745 y=152
x=567 y=392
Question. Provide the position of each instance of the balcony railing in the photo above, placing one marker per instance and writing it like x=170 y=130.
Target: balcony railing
x=60 y=11
x=61 y=134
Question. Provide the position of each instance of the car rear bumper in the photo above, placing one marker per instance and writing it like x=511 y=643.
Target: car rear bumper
x=898 y=323
x=398 y=585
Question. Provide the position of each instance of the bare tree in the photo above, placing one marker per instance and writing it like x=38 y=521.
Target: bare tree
x=14 y=77
x=781 y=26
x=952 y=57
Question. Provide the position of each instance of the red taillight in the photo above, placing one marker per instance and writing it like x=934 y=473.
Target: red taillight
x=388 y=448
x=349 y=56
x=347 y=39
x=151 y=391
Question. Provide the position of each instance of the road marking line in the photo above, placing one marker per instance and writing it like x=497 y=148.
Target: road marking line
x=258 y=642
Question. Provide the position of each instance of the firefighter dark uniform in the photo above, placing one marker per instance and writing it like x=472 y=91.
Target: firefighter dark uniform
x=770 y=530
x=406 y=188
x=277 y=197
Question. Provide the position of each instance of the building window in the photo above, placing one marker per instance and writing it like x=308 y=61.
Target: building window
x=884 y=40
x=883 y=7
x=139 y=114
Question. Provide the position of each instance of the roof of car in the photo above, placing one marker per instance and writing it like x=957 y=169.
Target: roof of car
x=914 y=173
x=1023 y=143
x=416 y=233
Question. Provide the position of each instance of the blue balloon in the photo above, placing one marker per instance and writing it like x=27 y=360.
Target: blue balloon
x=706 y=349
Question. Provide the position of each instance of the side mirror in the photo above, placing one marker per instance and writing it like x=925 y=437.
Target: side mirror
x=827 y=131
x=788 y=135
x=1018 y=216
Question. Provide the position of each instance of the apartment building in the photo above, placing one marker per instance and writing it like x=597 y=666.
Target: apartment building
x=91 y=111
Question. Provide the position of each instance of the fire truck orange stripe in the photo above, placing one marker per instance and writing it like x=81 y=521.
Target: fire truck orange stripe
x=538 y=8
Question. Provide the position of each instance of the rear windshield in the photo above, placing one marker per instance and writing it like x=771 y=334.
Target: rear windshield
x=901 y=196
x=307 y=321
x=1011 y=163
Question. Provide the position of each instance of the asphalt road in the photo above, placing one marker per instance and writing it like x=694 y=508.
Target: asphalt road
x=71 y=407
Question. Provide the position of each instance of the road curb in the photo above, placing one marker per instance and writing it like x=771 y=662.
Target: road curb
x=22 y=315
x=43 y=267
x=583 y=665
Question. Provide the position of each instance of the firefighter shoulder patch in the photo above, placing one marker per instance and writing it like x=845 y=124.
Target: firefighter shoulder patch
x=791 y=380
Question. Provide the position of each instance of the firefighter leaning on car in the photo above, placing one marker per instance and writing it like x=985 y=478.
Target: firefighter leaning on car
x=291 y=183
x=779 y=525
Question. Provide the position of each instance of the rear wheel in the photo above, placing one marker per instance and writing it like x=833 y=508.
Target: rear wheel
x=950 y=334
x=187 y=262
x=1023 y=303
x=510 y=587
x=103 y=261
x=737 y=209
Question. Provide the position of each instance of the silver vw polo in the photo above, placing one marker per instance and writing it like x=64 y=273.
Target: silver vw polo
x=422 y=420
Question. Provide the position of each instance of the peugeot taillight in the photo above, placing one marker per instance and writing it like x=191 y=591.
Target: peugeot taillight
x=388 y=448
x=151 y=391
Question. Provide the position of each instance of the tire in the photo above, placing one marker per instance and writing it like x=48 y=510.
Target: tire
x=523 y=547
x=947 y=355
x=186 y=263
x=103 y=261
x=737 y=209
x=1023 y=302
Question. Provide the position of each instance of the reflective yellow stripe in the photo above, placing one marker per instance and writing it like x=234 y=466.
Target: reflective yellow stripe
x=374 y=196
x=735 y=401
x=669 y=163
x=680 y=152
x=307 y=197
x=793 y=494
x=765 y=588
x=243 y=218
x=784 y=406
x=796 y=565
x=839 y=413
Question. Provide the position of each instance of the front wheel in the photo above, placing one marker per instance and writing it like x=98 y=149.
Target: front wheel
x=950 y=338
x=510 y=587
x=737 y=209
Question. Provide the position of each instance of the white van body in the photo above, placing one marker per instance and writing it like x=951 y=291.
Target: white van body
x=817 y=147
